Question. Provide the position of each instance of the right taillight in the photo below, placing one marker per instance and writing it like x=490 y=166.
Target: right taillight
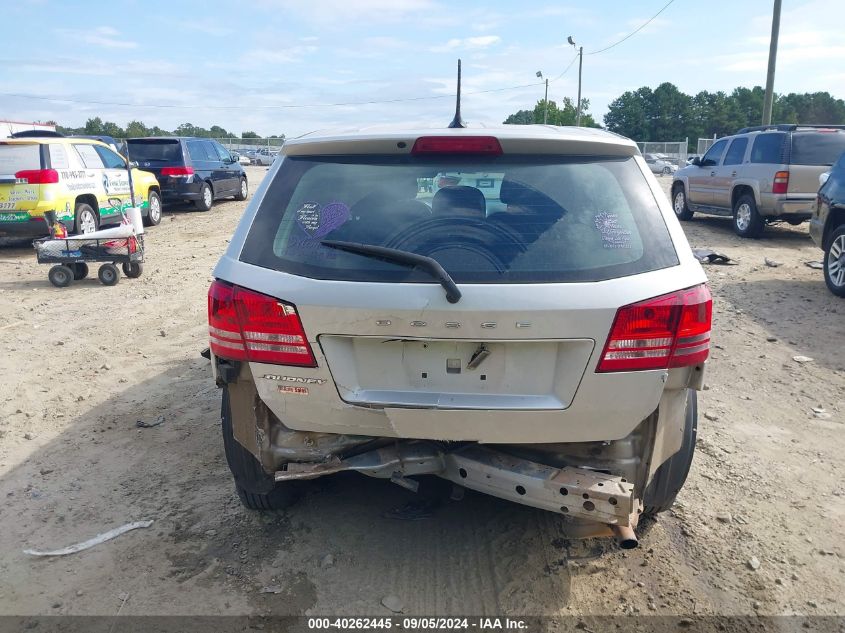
x=781 y=182
x=250 y=326
x=177 y=171
x=668 y=331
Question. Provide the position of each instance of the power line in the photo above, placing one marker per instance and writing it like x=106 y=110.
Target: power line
x=566 y=70
x=635 y=31
x=264 y=107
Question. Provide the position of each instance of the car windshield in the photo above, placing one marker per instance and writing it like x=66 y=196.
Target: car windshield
x=16 y=157
x=161 y=150
x=817 y=148
x=510 y=219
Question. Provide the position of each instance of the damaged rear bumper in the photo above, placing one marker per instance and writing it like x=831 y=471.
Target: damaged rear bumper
x=579 y=493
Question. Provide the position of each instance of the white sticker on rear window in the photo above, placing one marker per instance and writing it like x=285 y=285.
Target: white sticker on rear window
x=612 y=234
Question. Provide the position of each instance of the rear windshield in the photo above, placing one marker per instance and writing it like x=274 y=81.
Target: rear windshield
x=507 y=219
x=14 y=157
x=160 y=150
x=817 y=148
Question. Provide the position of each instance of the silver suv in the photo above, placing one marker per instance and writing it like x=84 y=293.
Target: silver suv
x=543 y=347
x=760 y=175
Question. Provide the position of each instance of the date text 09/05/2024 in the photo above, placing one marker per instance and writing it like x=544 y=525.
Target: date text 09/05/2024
x=417 y=623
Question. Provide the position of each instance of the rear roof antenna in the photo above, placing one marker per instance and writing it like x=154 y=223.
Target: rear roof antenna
x=458 y=121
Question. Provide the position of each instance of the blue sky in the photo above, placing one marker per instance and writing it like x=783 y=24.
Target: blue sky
x=233 y=62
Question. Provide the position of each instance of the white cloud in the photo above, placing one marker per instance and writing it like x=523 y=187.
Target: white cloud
x=469 y=43
x=351 y=11
x=105 y=36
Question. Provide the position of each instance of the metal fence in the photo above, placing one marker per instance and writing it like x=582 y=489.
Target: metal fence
x=704 y=144
x=671 y=151
x=257 y=144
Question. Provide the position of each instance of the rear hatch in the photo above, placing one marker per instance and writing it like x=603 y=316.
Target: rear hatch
x=19 y=189
x=157 y=154
x=543 y=267
x=812 y=153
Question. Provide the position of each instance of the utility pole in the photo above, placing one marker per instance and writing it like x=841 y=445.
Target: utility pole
x=546 y=101
x=580 y=66
x=770 y=76
x=580 y=50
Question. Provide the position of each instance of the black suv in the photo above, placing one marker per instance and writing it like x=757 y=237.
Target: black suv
x=197 y=170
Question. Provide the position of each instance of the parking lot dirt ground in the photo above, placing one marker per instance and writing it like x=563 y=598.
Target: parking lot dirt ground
x=756 y=530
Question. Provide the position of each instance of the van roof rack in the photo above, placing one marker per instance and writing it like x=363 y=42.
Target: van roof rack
x=789 y=127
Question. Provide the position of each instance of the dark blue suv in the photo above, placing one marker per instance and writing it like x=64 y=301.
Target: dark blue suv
x=197 y=170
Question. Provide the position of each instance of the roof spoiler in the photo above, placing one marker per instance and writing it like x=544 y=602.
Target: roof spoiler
x=789 y=127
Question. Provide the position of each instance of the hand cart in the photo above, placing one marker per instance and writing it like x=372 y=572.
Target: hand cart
x=72 y=256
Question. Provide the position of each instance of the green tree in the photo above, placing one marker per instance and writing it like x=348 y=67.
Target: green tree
x=136 y=129
x=249 y=135
x=522 y=117
x=630 y=114
x=565 y=114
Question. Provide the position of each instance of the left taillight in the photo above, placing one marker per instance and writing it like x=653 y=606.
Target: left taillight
x=781 y=182
x=38 y=176
x=668 y=331
x=247 y=325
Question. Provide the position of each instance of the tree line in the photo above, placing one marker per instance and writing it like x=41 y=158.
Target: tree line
x=667 y=114
x=137 y=129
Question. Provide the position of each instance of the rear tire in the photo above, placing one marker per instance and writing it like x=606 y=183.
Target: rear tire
x=132 y=270
x=80 y=270
x=60 y=276
x=834 y=262
x=206 y=199
x=747 y=221
x=154 y=209
x=679 y=204
x=243 y=191
x=108 y=275
x=256 y=489
x=86 y=220
x=660 y=494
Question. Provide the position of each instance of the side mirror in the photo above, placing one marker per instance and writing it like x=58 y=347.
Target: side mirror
x=697 y=161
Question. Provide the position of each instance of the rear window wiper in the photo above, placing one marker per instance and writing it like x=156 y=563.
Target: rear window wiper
x=428 y=264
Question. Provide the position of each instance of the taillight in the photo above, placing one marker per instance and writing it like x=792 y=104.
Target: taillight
x=446 y=181
x=781 y=182
x=457 y=145
x=38 y=176
x=177 y=171
x=247 y=325
x=668 y=331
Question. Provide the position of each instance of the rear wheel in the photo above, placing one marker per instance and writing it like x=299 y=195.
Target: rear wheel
x=154 y=210
x=86 y=219
x=667 y=171
x=747 y=221
x=670 y=477
x=206 y=198
x=132 y=270
x=256 y=489
x=243 y=191
x=108 y=275
x=834 y=262
x=60 y=276
x=80 y=270
x=679 y=204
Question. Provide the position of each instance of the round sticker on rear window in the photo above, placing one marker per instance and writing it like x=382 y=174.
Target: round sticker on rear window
x=612 y=234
